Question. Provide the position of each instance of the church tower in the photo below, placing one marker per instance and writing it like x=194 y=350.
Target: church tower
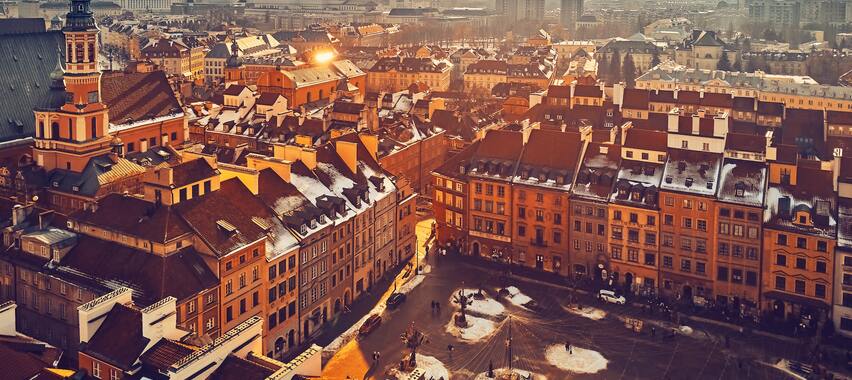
x=67 y=137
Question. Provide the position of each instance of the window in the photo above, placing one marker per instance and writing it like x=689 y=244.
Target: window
x=726 y=212
x=557 y=219
x=822 y=246
x=501 y=191
x=700 y=268
x=751 y=278
x=780 y=283
x=687 y=203
x=819 y=290
x=722 y=274
x=650 y=258
x=616 y=233
x=668 y=220
x=616 y=215
x=633 y=255
x=801 y=243
x=781 y=239
x=685 y=265
x=801 y=263
x=752 y=233
x=96 y=369
x=820 y=266
x=229 y=314
x=650 y=238
x=634 y=218
x=799 y=286
x=751 y=253
x=651 y=220
x=668 y=241
x=616 y=253
x=738 y=230
x=522 y=230
x=781 y=260
x=724 y=228
x=737 y=276
x=669 y=201
x=668 y=262
x=687 y=222
x=578 y=226
x=522 y=212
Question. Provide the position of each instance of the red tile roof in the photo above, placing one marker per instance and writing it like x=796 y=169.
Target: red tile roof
x=135 y=217
x=552 y=149
x=636 y=99
x=119 y=340
x=192 y=171
x=646 y=139
x=588 y=91
x=164 y=353
x=499 y=144
x=138 y=96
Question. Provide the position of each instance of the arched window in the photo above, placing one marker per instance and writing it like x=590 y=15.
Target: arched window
x=70 y=129
x=41 y=129
x=94 y=128
x=54 y=130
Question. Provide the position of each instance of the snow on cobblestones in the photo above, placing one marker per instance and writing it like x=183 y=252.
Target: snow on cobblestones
x=477 y=329
x=578 y=360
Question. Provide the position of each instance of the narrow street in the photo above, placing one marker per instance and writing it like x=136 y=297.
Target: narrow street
x=597 y=331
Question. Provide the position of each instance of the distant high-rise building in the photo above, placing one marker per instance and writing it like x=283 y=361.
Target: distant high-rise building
x=776 y=12
x=570 y=13
x=516 y=10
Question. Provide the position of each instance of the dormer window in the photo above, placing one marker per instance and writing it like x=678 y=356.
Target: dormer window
x=636 y=196
x=822 y=207
x=322 y=219
x=303 y=229
x=313 y=223
x=803 y=219
x=739 y=190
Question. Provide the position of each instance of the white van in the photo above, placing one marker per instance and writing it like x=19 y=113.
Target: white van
x=610 y=297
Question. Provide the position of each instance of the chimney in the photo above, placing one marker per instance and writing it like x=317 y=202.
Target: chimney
x=160 y=321
x=91 y=314
x=624 y=128
x=19 y=214
x=308 y=156
x=348 y=152
x=7 y=319
x=673 y=120
x=279 y=166
x=43 y=218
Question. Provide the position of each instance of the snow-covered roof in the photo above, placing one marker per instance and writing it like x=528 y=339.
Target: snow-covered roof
x=691 y=172
x=812 y=197
x=742 y=182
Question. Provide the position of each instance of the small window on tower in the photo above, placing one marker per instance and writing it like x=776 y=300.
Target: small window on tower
x=93 y=97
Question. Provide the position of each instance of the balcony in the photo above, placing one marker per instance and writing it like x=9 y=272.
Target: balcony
x=538 y=242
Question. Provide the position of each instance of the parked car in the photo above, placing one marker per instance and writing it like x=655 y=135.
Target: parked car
x=370 y=324
x=610 y=297
x=395 y=300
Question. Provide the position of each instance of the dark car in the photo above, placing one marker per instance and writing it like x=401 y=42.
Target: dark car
x=369 y=325
x=395 y=300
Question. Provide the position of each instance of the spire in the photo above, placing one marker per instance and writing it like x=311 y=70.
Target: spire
x=79 y=17
x=234 y=60
x=57 y=76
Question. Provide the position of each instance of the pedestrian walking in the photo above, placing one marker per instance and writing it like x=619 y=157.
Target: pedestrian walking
x=653 y=331
x=438 y=306
x=433 y=306
x=450 y=349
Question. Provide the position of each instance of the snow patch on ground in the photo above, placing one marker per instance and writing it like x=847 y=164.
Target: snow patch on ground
x=516 y=297
x=486 y=307
x=588 y=312
x=411 y=284
x=685 y=330
x=501 y=371
x=477 y=329
x=380 y=308
x=433 y=368
x=580 y=360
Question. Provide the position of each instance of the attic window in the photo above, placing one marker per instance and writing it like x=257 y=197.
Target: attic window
x=688 y=182
x=303 y=229
x=313 y=223
x=822 y=207
x=322 y=218
x=739 y=190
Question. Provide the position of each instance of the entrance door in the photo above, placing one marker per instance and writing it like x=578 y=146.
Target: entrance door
x=628 y=282
x=539 y=262
x=307 y=329
x=475 y=249
x=687 y=293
